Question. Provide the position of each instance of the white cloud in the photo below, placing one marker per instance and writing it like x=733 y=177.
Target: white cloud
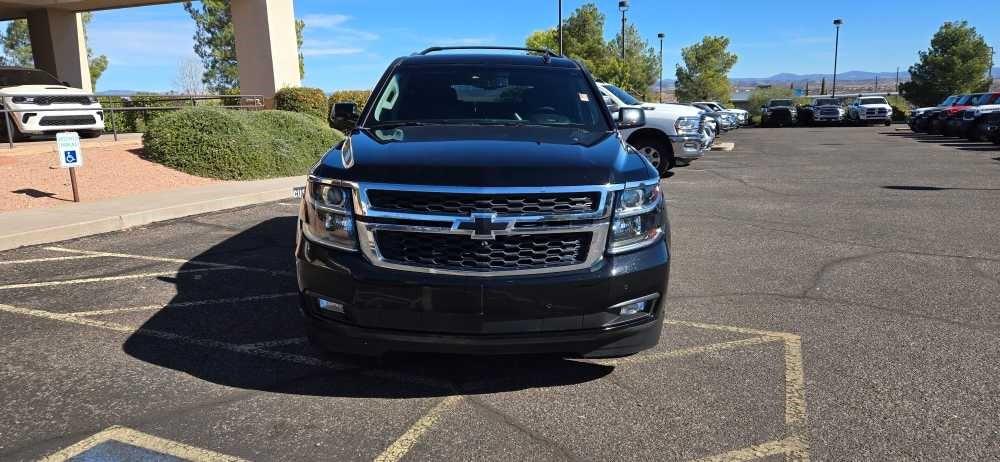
x=325 y=21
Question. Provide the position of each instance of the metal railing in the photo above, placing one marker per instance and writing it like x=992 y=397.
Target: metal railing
x=109 y=106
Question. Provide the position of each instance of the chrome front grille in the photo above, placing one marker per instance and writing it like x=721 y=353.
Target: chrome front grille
x=459 y=253
x=829 y=112
x=501 y=204
x=62 y=99
x=483 y=231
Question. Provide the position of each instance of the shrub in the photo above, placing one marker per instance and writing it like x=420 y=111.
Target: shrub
x=359 y=97
x=900 y=107
x=238 y=145
x=304 y=100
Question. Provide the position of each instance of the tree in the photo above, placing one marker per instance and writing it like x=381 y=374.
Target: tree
x=705 y=73
x=640 y=69
x=97 y=64
x=17 y=44
x=17 y=48
x=583 y=37
x=822 y=87
x=188 y=78
x=583 y=40
x=215 y=44
x=956 y=62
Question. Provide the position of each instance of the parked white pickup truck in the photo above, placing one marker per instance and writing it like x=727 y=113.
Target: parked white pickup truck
x=673 y=134
x=743 y=117
x=870 y=109
x=41 y=104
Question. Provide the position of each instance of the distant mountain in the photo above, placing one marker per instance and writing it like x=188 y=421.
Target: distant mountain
x=116 y=93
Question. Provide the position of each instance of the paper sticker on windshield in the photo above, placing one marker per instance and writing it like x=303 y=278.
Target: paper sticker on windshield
x=584 y=97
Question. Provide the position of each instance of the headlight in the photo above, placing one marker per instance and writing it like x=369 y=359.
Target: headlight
x=638 y=219
x=329 y=218
x=24 y=99
x=685 y=125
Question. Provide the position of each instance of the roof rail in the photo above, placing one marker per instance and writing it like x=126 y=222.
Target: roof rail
x=544 y=51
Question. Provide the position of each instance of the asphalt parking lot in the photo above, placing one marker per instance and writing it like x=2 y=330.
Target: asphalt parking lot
x=834 y=296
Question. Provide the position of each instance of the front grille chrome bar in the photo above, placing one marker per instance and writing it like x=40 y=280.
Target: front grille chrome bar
x=371 y=220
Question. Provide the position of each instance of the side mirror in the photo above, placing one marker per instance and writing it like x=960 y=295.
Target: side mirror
x=631 y=117
x=344 y=113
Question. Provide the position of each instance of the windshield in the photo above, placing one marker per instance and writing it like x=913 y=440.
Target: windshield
x=963 y=100
x=948 y=101
x=990 y=99
x=977 y=100
x=623 y=95
x=826 y=102
x=780 y=102
x=487 y=95
x=17 y=77
x=873 y=101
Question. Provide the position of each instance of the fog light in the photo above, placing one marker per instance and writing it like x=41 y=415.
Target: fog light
x=328 y=305
x=633 y=308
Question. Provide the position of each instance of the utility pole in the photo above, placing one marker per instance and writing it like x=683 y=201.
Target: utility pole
x=836 y=51
x=660 y=36
x=623 y=7
x=560 y=29
x=876 y=83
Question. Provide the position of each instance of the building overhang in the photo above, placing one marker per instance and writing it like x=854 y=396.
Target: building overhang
x=15 y=9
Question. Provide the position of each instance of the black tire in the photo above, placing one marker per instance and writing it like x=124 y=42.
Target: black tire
x=657 y=150
x=888 y=123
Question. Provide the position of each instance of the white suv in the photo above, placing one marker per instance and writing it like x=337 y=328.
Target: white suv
x=674 y=134
x=41 y=104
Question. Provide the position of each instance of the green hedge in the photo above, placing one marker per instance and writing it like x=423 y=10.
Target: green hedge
x=359 y=97
x=310 y=101
x=238 y=145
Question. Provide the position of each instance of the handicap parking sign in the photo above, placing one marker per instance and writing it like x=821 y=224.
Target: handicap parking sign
x=68 y=146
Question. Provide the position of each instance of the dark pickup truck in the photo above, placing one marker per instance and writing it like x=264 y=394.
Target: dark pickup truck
x=485 y=203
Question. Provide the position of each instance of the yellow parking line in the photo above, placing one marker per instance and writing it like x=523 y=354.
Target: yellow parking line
x=276 y=343
x=109 y=278
x=793 y=447
x=742 y=330
x=208 y=343
x=48 y=259
x=639 y=359
x=142 y=440
x=217 y=301
x=169 y=260
x=402 y=445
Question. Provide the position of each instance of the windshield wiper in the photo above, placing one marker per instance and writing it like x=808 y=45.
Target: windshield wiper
x=411 y=123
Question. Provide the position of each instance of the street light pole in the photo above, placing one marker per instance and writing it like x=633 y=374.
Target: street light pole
x=560 y=28
x=836 y=51
x=623 y=7
x=660 y=36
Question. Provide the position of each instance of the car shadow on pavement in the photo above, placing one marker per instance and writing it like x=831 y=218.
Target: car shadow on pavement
x=258 y=345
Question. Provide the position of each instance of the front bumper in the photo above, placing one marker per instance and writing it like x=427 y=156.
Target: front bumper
x=688 y=147
x=561 y=313
x=38 y=122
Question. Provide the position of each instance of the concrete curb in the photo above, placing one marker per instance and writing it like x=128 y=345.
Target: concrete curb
x=724 y=146
x=42 y=226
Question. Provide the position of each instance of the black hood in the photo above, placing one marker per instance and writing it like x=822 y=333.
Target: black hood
x=484 y=156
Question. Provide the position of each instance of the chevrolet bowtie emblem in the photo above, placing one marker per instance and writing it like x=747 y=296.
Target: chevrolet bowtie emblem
x=483 y=225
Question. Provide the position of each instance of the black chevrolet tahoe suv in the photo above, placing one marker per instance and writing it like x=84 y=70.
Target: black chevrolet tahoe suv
x=485 y=203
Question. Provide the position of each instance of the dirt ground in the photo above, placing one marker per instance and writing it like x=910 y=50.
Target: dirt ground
x=30 y=175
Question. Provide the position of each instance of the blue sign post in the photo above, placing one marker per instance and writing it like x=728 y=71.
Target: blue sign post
x=70 y=156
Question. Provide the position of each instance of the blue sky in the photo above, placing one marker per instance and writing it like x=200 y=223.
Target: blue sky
x=348 y=43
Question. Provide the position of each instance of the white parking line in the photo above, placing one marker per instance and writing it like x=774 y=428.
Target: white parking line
x=136 y=438
x=108 y=278
x=170 y=260
x=43 y=260
x=217 y=301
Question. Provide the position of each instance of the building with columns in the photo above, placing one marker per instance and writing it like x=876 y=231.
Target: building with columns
x=266 y=46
